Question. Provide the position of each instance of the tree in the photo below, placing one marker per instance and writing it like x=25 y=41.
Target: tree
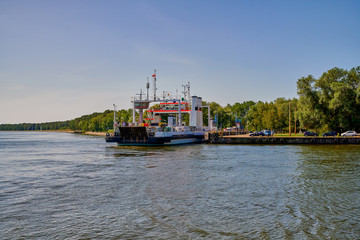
x=330 y=102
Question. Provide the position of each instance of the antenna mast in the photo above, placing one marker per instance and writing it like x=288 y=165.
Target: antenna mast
x=188 y=92
x=154 y=78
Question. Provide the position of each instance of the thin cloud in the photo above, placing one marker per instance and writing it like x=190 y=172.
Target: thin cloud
x=75 y=71
x=180 y=60
x=159 y=55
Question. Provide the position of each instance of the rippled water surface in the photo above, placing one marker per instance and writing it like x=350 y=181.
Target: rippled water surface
x=67 y=186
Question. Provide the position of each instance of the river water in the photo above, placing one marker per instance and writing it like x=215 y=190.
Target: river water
x=68 y=186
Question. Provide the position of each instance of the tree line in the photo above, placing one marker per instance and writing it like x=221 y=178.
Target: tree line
x=95 y=122
x=331 y=102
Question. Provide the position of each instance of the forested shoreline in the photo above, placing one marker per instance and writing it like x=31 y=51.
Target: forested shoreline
x=331 y=102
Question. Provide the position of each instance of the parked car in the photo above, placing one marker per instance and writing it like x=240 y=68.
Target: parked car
x=267 y=132
x=227 y=129
x=310 y=133
x=330 y=134
x=349 y=133
x=257 y=133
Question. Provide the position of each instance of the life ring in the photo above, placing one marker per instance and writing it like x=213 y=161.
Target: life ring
x=282 y=140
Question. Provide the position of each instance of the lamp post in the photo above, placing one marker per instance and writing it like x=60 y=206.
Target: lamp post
x=289 y=117
x=114 y=116
x=295 y=119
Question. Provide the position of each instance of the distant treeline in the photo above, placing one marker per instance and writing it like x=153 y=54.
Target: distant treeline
x=34 y=126
x=96 y=122
x=331 y=102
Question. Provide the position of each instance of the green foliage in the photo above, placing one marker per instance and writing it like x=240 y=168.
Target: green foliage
x=273 y=115
x=330 y=102
x=35 y=126
x=226 y=115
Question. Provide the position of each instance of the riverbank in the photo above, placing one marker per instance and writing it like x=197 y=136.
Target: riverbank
x=101 y=134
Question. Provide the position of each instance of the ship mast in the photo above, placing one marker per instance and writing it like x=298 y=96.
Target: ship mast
x=147 y=89
x=140 y=94
x=141 y=113
x=186 y=92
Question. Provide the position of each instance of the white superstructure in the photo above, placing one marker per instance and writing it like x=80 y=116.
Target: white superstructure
x=164 y=119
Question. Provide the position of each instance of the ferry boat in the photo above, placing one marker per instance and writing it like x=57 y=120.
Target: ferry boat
x=153 y=131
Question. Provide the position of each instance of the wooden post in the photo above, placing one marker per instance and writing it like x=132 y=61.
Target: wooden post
x=114 y=118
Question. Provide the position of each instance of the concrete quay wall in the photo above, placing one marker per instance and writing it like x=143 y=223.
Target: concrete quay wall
x=214 y=138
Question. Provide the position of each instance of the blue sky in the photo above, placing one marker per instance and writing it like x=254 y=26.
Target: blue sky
x=63 y=59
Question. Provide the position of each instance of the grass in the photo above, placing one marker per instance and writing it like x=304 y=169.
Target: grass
x=287 y=135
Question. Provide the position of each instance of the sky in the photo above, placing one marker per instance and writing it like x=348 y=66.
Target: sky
x=62 y=59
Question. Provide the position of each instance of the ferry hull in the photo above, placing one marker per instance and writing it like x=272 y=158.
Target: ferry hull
x=138 y=136
x=161 y=141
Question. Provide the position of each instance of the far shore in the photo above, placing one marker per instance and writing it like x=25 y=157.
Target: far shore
x=102 y=134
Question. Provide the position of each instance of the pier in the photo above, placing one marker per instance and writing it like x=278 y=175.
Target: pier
x=216 y=138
